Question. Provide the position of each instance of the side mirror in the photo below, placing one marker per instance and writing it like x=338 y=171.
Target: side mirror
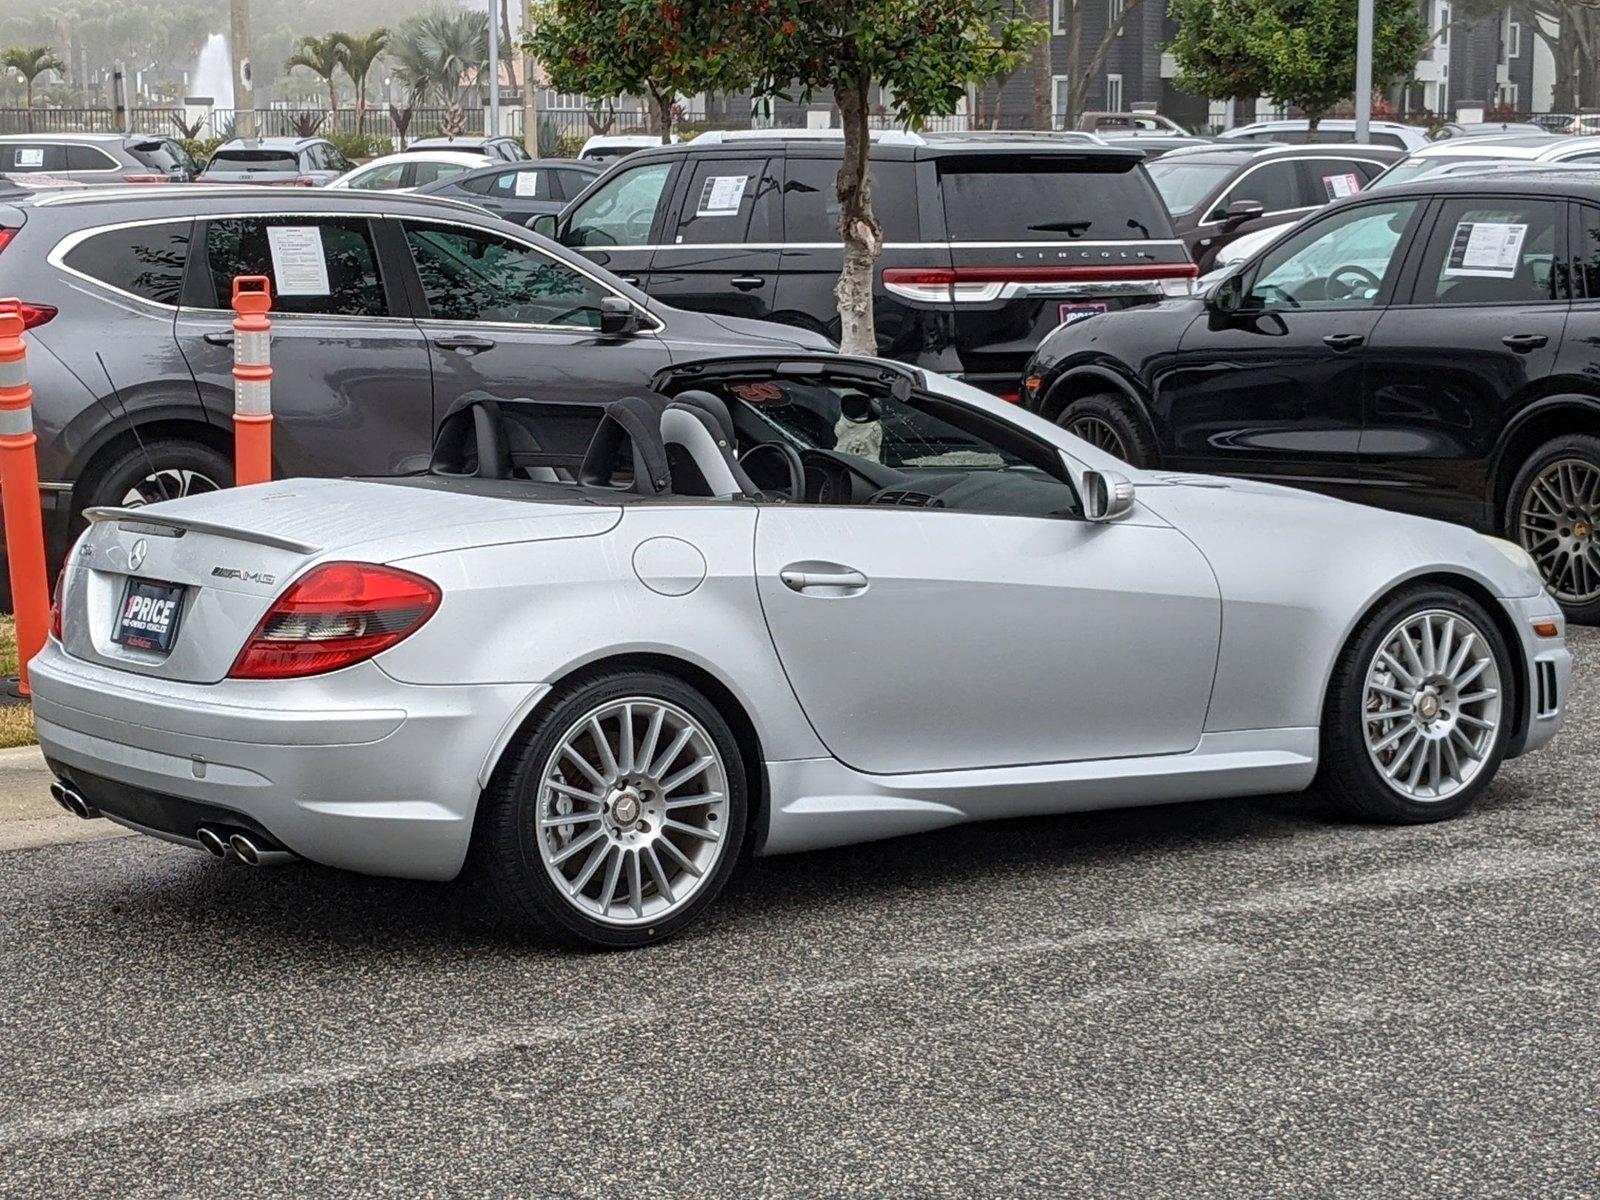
x=544 y=224
x=1226 y=294
x=1107 y=495
x=1240 y=211
x=618 y=318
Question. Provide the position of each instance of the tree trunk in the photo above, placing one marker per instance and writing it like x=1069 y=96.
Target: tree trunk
x=863 y=236
x=663 y=104
x=1080 y=75
x=1042 y=87
x=1313 y=119
x=333 y=105
x=30 y=103
x=530 y=83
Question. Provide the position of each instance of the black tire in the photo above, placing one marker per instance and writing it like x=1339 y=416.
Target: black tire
x=1582 y=607
x=1347 y=774
x=1109 y=423
x=505 y=838
x=171 y=461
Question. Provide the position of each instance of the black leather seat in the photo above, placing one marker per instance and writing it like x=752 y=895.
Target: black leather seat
x=698 y=433
x=631 y=430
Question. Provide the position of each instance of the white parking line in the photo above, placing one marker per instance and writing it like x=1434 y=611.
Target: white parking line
x=1466 y=867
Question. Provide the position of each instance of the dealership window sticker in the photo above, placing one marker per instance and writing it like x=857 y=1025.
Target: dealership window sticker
x=299 y=266
x=722 y=195
x=1485 y=250
x=1340 y=185
x=527 y=183
x=28 y=156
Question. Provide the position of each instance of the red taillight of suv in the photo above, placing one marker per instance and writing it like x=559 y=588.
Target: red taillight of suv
x=146 y=179
x=6 y=234
x=981 y=285
x=55 y=605
x=334 y=616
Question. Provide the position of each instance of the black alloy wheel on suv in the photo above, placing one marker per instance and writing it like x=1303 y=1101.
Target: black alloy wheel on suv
x=1433 y=347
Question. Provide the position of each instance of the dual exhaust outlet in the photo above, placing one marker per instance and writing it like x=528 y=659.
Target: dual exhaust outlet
x=244 y=847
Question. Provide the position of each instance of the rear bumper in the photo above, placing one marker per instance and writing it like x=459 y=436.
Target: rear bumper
x=352 y=770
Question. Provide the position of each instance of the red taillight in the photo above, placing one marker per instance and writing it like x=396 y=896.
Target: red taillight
x=336 y=615
x=36 y=314
x=146 y=179
x=978 y=285
x=6 y=235
x=55 y=605
x=304 y=181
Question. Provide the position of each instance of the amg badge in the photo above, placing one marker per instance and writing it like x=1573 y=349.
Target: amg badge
x=247 y=576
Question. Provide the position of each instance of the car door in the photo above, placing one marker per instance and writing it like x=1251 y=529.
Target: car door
x=352 y=392
x=503 y=315
x=721 y=253
x=977 y=631
x=1478 y=326
x=1267 y=381
x=617 y=225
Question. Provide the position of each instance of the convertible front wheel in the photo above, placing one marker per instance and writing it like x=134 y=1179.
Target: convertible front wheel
x=620 y=814
x=1420 y=709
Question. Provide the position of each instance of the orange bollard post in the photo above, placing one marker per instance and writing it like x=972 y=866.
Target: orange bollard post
x=252 y=379
x=19 y=492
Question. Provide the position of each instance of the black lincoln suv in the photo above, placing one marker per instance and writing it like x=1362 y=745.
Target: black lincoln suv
x=1432 y=347
x=991 y=240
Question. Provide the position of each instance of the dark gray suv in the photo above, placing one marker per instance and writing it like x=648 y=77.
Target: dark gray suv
x=402 y=305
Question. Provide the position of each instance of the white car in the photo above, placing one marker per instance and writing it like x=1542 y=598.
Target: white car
x=402 y=172
x=603 y=147
x=1294 y=132
x=776 y=604
x=1488 y=151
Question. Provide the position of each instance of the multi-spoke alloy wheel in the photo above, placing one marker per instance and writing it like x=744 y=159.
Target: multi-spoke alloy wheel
x=1432 y=704
x=620 y=813
x=1099 y=433
x=172 y=484
x=1556 y=523
x=632 y=810
x=1419 y=708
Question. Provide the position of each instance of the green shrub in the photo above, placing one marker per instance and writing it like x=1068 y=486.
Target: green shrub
x=357 y=146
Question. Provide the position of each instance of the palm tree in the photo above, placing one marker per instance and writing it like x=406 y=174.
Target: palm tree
x=457 y=46
x=323 y=58
x=357 y=54
x=31 y=62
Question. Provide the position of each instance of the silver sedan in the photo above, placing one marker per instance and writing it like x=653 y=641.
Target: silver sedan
x=774 y=604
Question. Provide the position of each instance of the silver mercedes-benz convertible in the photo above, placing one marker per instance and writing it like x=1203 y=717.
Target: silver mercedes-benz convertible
x=772 y=605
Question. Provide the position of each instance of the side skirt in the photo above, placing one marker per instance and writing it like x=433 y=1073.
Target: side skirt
x=819 y=802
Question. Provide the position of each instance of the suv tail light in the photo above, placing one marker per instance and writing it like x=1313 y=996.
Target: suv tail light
x=334 y=616
x=34 y=315
x=979 y=285
x=304 y=181
x=6 y=234
x=55 y=604
x=146 y=179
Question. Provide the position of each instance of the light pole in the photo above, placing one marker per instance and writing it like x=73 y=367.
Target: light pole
x=494 y=68
x=1363 y=69
x=530 y=87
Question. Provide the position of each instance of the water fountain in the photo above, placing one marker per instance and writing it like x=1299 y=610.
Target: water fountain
x=211 y=83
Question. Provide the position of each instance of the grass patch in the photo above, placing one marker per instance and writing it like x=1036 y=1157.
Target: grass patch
x=16 y=720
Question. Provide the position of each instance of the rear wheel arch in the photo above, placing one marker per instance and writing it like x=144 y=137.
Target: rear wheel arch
x=1539 y=424
x=1091 y=381
x=721 y=696
x=116 y=440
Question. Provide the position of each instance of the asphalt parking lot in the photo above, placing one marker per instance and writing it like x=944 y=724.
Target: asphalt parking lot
x=1234 y=999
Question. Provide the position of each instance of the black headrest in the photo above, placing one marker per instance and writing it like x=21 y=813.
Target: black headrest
x=712 y=404
x=633 y=422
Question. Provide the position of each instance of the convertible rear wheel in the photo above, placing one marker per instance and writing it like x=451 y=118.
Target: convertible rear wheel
x=1420 y=709
x=621 y=814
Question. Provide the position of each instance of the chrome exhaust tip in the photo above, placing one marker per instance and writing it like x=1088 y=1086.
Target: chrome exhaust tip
x=211 y=842
x=246 y=849
x=69 y=798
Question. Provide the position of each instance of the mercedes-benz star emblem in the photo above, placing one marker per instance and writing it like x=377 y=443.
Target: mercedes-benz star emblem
x=136 y=555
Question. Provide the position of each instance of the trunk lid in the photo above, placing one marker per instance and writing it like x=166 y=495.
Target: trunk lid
x=231 y=553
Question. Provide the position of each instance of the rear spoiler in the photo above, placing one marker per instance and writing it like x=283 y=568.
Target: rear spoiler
x=139 y=520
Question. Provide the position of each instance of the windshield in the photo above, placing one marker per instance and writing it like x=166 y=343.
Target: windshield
x=1416 y=168
x=1185 y=185
x=1048 y=199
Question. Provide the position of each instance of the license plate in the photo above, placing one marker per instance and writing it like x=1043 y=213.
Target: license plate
x=1077 y=312
x=148 y=618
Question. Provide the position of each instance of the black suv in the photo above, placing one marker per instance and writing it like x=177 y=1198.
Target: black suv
x=411 y=302
x=1432 y=347
x=1220 y=192
x=991 y=241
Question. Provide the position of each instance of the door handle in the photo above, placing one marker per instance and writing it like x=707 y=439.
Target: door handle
x=220 y=337
x=633 y=279
x=1343 y=341
x=748 y=283
x=467 y=343
x=1522 y=343
x=823 y=580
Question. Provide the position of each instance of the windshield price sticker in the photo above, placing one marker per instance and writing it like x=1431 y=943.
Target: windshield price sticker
x=527 y=183
x=1486 y=250
x=299 y=267
x=28 y=156
x=722 y=195
x=1340 y=185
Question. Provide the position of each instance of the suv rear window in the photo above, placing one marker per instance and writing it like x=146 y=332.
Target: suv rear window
x=1050 y=200
x=255 y=160
x=146 y=260
x=155 y=155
